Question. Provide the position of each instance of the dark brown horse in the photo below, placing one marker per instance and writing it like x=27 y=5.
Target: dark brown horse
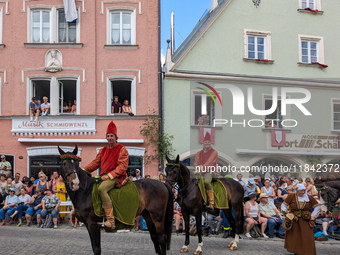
x=155 y=204
x=191 y=202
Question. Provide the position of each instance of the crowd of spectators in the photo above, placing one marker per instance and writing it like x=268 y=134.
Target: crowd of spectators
x=30 y=197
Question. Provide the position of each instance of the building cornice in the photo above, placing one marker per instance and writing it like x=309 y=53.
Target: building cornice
x=259 y=80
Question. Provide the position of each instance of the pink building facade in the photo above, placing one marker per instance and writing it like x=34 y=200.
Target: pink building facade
x=112 y=49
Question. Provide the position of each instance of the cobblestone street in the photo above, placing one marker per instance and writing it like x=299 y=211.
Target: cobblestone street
x=65 y=240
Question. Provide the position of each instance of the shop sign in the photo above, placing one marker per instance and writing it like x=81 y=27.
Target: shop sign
x=53 y=125
x=309 y=142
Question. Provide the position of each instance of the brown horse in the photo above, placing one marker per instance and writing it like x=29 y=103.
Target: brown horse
x=155 y=204
x=191 y=202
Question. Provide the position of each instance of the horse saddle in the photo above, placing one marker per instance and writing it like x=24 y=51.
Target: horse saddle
x=220 y=193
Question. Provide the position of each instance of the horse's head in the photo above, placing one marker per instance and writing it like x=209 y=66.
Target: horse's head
x=328 y=197
x=70 y=168
x=172 y=170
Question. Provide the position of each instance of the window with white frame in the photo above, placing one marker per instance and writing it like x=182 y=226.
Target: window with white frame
x=204 y=109
x=273 y=120
x=121 y=27
x=257 y=45
x=41 y=30
x=48 y=25
x=311 y=49
x=0 y=25
x=125 y=89
x=67 y=31
x=308 y=4
x=336 y=115
x=63 y=102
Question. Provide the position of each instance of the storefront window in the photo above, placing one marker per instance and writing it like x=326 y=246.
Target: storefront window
x=47 y=164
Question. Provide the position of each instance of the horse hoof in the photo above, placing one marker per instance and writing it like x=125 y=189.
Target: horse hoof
x=231 y=243
x=198 y=253
x=183 y=250
x=233 y=248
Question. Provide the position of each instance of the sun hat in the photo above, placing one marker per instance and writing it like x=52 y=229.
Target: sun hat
x=262 y=195
x=250 y=195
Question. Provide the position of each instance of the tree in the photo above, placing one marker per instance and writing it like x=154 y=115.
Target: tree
x=159 y=141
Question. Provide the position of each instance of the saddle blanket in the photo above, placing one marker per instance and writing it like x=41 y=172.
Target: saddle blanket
x=125 y=204
x=220 y=193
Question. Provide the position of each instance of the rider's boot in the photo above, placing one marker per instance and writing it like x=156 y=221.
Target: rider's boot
x=210 y=194
x=110 y=219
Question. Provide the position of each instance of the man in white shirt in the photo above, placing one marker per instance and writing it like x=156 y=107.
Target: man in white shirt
x=4 y=165
x=45 y=107
x=17 y=184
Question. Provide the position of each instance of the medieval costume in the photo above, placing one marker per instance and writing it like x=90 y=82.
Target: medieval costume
x=113 y=162
x=207 y=159
x=300 y=238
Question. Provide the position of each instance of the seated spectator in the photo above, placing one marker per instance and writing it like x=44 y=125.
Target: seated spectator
x=42 y=182
x=35 y=206
x=250 y=187
x=74 y=107
x=126 y=108
x=9 y=207
x=258 y=182
x=252 y=215
x=138 y=175
x=178 y=217
x=7 y=187
x=156 y=177
x=147 y=176
x=50 y=204
x=240 y=181
x=3 y=184
x=34 y=109
x=268 y=190
x=300 y=180
x=199 y=120
x=23 y=202
x=162 y=178
x=71 y=218
x=17 y=184
x=206 y=119
x=45 y=107
x=323 y=219
x=214 y=215
x=28 y=186
x=269 y=211
x=116 y=107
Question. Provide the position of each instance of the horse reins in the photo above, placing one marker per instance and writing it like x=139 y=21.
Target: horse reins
x=73 y=171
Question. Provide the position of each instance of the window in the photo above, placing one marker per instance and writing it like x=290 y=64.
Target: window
x=63 y=94
x=311 y=49
x=41 y=26
x=204 y=110
x=67 y=96
x=49 y=25
x=308 y=4
x=125 y=89
x=257 y=45
x=121 y=27
x=336 y=115
x=273 y=120
x=67 y=31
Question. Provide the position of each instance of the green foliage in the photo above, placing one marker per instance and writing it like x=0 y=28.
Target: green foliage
x=159 y=142
x=314 y=160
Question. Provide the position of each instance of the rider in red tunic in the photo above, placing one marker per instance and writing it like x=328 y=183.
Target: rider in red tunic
x=113 y=160
x=206 y=159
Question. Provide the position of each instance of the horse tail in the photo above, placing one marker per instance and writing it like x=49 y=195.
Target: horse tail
x=169 y=215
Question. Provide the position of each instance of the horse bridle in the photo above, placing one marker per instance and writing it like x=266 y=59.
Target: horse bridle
x=182 y=191
x=73 y=171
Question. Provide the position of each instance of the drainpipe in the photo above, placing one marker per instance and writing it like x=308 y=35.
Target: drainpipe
x=160 y=78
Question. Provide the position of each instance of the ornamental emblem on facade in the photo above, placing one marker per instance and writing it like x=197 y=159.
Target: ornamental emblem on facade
x=53 y=61
x=256 y=2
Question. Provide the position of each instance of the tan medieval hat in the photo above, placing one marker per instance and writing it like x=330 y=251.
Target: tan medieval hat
x=262 y=195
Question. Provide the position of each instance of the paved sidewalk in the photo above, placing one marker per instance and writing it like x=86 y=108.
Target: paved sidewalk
x=66 y=240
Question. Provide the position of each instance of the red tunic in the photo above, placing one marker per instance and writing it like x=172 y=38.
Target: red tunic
x=206 y=159
x=113 y=162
